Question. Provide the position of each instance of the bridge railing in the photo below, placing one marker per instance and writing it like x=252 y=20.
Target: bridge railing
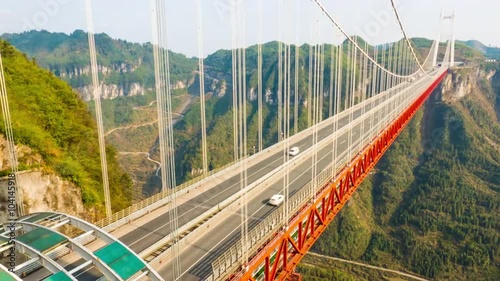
x=151 y=203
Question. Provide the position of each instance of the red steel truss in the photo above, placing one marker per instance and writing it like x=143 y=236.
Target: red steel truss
x=281 y=255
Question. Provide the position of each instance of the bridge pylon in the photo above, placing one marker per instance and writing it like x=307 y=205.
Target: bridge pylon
x=452 y=45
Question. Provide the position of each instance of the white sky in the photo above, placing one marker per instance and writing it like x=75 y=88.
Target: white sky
x=130 y=20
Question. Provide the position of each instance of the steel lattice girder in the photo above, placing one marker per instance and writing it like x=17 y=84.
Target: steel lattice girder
x=284 y=252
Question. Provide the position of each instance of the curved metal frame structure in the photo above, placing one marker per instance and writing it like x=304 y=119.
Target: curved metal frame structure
x=15 y=277
x=85 y=253
x=86 y=226
x=46 y=262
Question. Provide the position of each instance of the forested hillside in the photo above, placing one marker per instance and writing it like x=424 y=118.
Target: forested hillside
x=49 y=118
x=433 y=207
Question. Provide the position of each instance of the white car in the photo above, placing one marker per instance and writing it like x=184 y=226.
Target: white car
x=276 y=199
x=293 y=151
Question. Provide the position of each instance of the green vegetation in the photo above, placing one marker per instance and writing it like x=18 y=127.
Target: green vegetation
x=120 y=111
x=49 y=117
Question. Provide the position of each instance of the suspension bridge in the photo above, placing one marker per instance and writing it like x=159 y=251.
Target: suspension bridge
x=221 y=227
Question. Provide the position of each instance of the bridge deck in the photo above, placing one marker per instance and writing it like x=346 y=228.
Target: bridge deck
x=196 y=262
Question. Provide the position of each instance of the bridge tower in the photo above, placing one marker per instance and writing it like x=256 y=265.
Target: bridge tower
x=438 y=40
x=452 y=43
x=452 y=54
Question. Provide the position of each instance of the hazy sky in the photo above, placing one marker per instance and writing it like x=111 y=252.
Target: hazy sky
x=130 y=20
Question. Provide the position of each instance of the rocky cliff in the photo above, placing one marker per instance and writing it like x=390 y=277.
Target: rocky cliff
x=41 y=190
x=112 y=91
x=463 y=81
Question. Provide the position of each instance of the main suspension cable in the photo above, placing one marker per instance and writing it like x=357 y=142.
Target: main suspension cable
x=357 y=46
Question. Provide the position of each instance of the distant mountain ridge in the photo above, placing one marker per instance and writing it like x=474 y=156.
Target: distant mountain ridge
x=488 y=52
x=126 y=68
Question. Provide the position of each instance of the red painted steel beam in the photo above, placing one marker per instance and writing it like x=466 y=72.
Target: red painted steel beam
x=312 y=222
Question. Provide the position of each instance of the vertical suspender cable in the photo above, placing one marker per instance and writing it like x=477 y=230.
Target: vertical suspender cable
x=259 y=74
x=97 y=98
x=386 y=79
x=393 y=78
x=348 y=93
x=315 y=108
x=170 y=149
x=280 y=71
x=286 y=115
x=240 y=124
x=401 y=60
x=390 y=62
x=297 y=68
x=313 y=115
x=165 y=125
x=281 y=107
x=244 y=141
x=235 y=87
x=373 y=90
x=321 y=82
x=309 y=86
x=9 y=134
x=353 y=94
x=338 y=94
x=201 y=68
x=363 y=97
x=332 y=73
x=319 y=107
x=382 y=74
